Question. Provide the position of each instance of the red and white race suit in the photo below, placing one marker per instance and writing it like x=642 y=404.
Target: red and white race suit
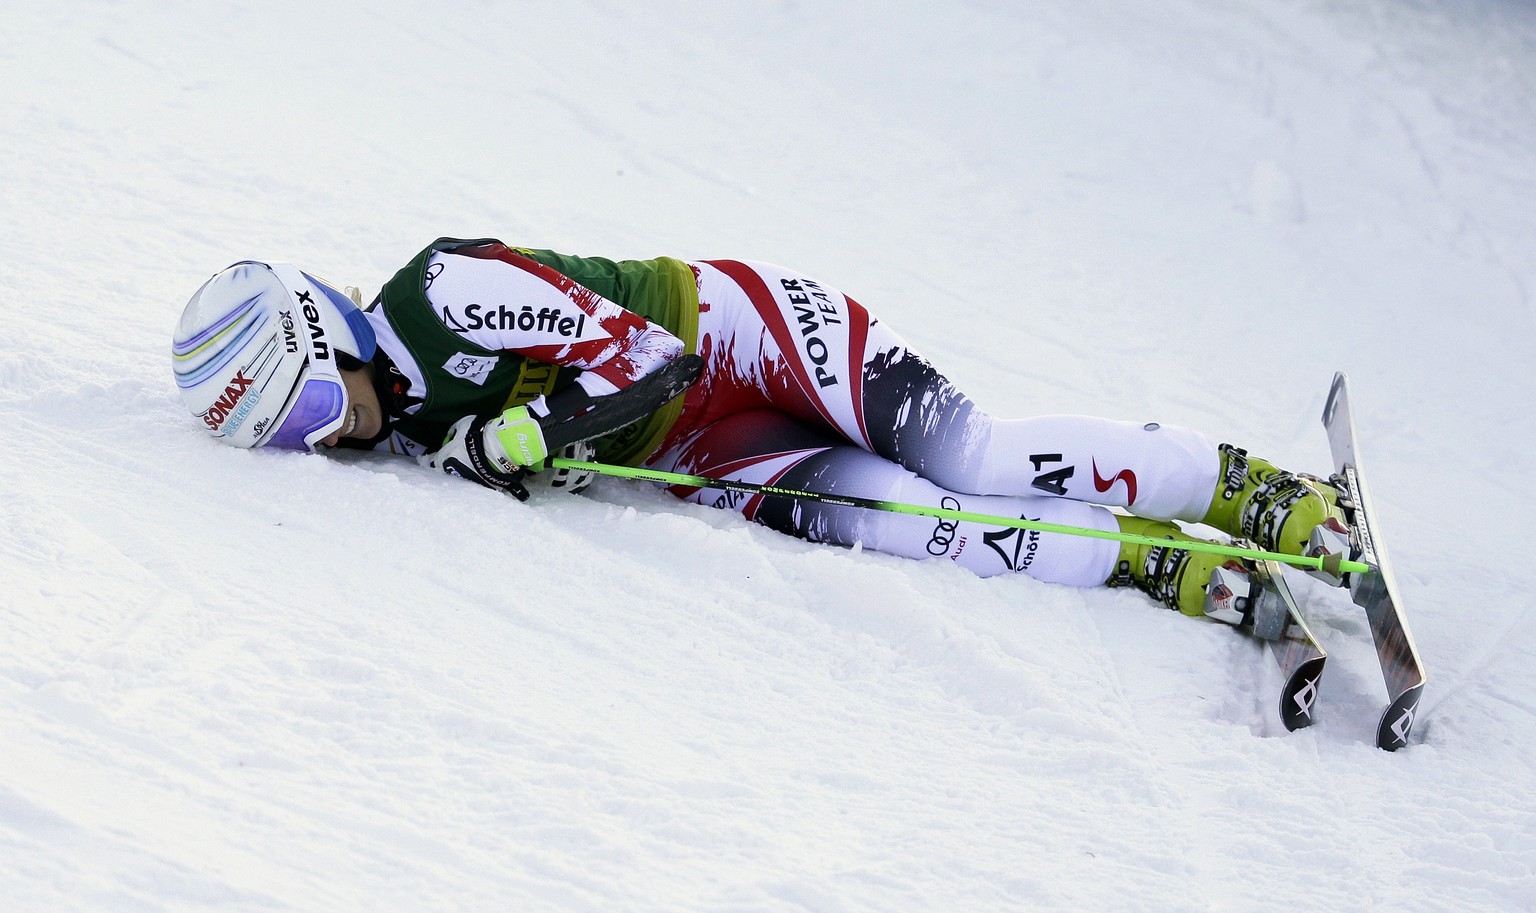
x=803 y=389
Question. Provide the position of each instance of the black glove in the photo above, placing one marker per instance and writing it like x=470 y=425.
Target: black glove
x=469 y=453
x=488 y=449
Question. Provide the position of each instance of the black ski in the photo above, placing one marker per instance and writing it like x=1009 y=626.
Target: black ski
x=1297 y=652
x=1259 y=601
x=1376 y=592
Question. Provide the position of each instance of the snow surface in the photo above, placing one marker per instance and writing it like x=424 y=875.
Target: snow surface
x=237 y=681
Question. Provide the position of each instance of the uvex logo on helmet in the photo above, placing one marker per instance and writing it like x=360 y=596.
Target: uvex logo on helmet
x=316 y=330
x=227 y=401
x=290 y=338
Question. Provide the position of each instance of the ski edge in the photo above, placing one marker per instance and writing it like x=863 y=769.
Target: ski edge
x=1397 y=653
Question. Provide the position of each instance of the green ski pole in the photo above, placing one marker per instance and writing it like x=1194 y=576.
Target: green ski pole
x=1336 y=565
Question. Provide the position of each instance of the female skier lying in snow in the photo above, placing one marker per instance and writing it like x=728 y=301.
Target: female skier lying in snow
x=475 y=354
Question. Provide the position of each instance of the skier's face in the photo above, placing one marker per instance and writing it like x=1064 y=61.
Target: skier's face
x=364 y=416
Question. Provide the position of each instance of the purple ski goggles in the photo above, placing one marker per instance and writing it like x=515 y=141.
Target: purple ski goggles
x=318 y=410
x=318 y=406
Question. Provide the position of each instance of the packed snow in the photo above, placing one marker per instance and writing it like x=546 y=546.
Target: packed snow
x=250 y=681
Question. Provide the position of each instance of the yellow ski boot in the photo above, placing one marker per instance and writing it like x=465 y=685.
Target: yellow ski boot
x=1173 y=576
x=1276 y=510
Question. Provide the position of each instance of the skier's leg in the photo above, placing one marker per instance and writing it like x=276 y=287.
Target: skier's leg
x=778 y=338
x=781 y=339
x=765 y=446
x=1154 y=471
x=768 y=447
x=917 y=417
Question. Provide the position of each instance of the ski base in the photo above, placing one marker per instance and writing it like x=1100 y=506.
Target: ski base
x=1376 y=592
x=1296 y=651
x=1259 y=600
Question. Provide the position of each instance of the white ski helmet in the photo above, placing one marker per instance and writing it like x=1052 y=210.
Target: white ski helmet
x=255 y=355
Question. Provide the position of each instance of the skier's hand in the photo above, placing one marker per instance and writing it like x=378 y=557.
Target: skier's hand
x=521 y=437
x=473 y=451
